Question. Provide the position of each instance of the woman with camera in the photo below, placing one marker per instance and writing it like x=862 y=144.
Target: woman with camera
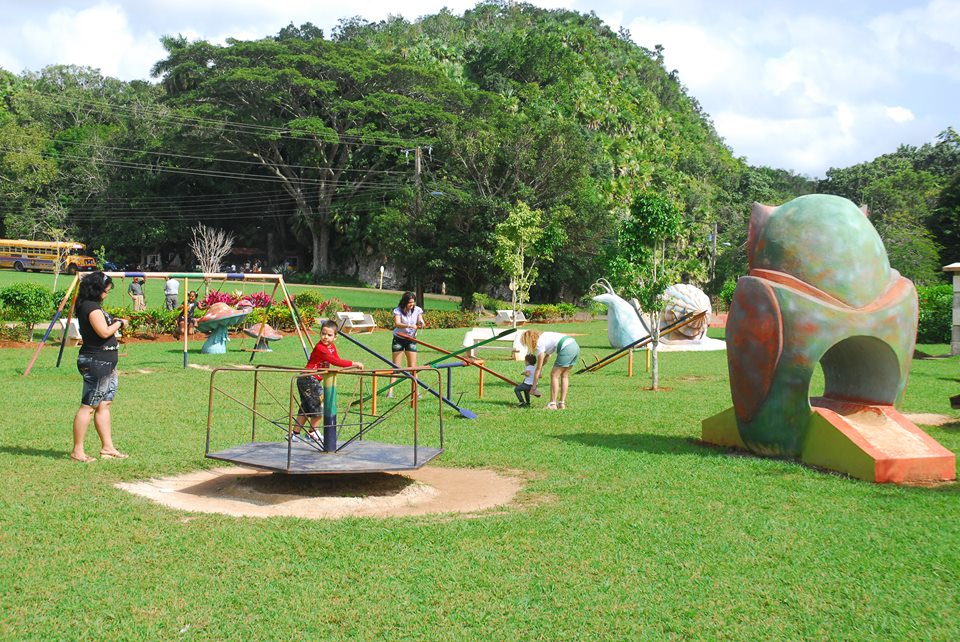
x=97 y=363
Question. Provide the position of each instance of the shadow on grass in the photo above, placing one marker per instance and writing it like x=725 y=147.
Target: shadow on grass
x=656 y=444
x=34 y=452
x=260 y=489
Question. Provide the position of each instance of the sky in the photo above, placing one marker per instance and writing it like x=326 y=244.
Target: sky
x=803 y=86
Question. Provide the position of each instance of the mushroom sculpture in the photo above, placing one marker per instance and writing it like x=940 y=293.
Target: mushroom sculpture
x=216 y=322
x=264 y=334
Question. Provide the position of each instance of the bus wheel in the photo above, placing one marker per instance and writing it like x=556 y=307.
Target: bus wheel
x=18 y=266
x=72 y=270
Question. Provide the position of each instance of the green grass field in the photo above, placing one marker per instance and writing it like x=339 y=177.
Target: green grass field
x=628 y=528
x=358 y=298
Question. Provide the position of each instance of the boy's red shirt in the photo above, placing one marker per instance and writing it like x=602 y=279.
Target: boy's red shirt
x=326 y=356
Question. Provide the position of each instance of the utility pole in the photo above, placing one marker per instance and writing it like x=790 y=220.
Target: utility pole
x=417 y=210
x=713 y=255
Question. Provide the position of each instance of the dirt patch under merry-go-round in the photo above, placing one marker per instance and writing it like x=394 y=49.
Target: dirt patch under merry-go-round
x=246 y=492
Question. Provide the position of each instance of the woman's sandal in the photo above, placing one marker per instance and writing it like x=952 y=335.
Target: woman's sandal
x=113 y=455
x=86 y=459
x=552 y=406
x=561 y=405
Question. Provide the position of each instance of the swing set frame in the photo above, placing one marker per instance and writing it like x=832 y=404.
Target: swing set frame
x=236 y=277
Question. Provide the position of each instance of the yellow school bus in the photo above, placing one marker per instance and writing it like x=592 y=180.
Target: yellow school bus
x=42 y=256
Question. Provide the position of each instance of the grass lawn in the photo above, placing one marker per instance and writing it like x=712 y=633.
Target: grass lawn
x=628 y=529
x=357 y=298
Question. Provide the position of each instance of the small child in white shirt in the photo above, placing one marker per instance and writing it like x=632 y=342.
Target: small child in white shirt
x=523 y=389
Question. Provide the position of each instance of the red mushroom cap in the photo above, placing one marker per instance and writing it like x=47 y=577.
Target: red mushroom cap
x=268 y=333
x=220 y=313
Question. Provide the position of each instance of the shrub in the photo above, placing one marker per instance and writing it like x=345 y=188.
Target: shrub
x=936 y=313
x=383 y=318
x=308 y=299
x=278 y=317
x=566 y=310
x=726 y=292
x=445 y=319
x=260 y=299
x=149 y=323
x=488 y=303
x=29 y=303
x=549 y=312
x=331 y=306
x=13 y=333
x=433 y=318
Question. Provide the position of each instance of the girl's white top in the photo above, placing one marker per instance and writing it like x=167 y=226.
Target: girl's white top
x=408 y=319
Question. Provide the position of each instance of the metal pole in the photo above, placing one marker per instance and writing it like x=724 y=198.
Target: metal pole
x=330 y=413
x=186 y=318
x=296 y=319
x=256 y=387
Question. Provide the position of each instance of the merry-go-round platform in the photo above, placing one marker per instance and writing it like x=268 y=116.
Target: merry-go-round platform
x=302 y=459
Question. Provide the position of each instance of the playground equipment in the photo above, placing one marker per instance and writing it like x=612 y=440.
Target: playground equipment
x=509 y=318
x=407 y=373
x=356 y=322
x=264 y=334
x=216 y=323
x=820 y=290
x=679 y=324
x=277 y=280
x=681 y=300
x=344 y=447
x=466 y=360
x=625 y=326
x=486 y=338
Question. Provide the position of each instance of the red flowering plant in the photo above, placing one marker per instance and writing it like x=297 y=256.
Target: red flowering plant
x=331 y=306
x=260 y=299
x=213 y=296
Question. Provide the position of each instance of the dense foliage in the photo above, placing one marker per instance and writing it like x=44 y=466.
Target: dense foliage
x=407 y=144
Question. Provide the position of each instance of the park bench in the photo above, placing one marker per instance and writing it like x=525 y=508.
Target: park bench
x=475 y=335
x=505 y=318
x=355 y=322
x=73 y=333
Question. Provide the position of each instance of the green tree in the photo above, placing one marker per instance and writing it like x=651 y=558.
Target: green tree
x=641 y=266
x=519 y=246
x=326 y=120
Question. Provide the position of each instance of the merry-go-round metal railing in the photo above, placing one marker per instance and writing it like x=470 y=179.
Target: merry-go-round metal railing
x=366 y=410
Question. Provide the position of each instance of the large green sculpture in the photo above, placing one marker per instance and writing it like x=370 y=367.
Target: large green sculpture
x=820 y=290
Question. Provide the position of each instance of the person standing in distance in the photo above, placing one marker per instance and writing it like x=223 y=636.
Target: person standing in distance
x=136 y=293
x=407 y=319
x=171 y=291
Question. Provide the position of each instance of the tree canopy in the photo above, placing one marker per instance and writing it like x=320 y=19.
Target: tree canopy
x=409 y=143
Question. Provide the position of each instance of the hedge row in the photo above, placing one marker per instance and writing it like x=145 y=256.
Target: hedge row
x=31 y=304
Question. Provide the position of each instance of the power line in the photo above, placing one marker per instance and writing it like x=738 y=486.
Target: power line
x=248 y=128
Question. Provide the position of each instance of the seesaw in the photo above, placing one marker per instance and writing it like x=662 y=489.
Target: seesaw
x=640 y=343
x=469 y=414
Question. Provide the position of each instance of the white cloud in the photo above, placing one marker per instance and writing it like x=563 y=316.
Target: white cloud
x=922 y=38
x=98 y=37
x=899 y=114
x=702 y=59
x=846 y=135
